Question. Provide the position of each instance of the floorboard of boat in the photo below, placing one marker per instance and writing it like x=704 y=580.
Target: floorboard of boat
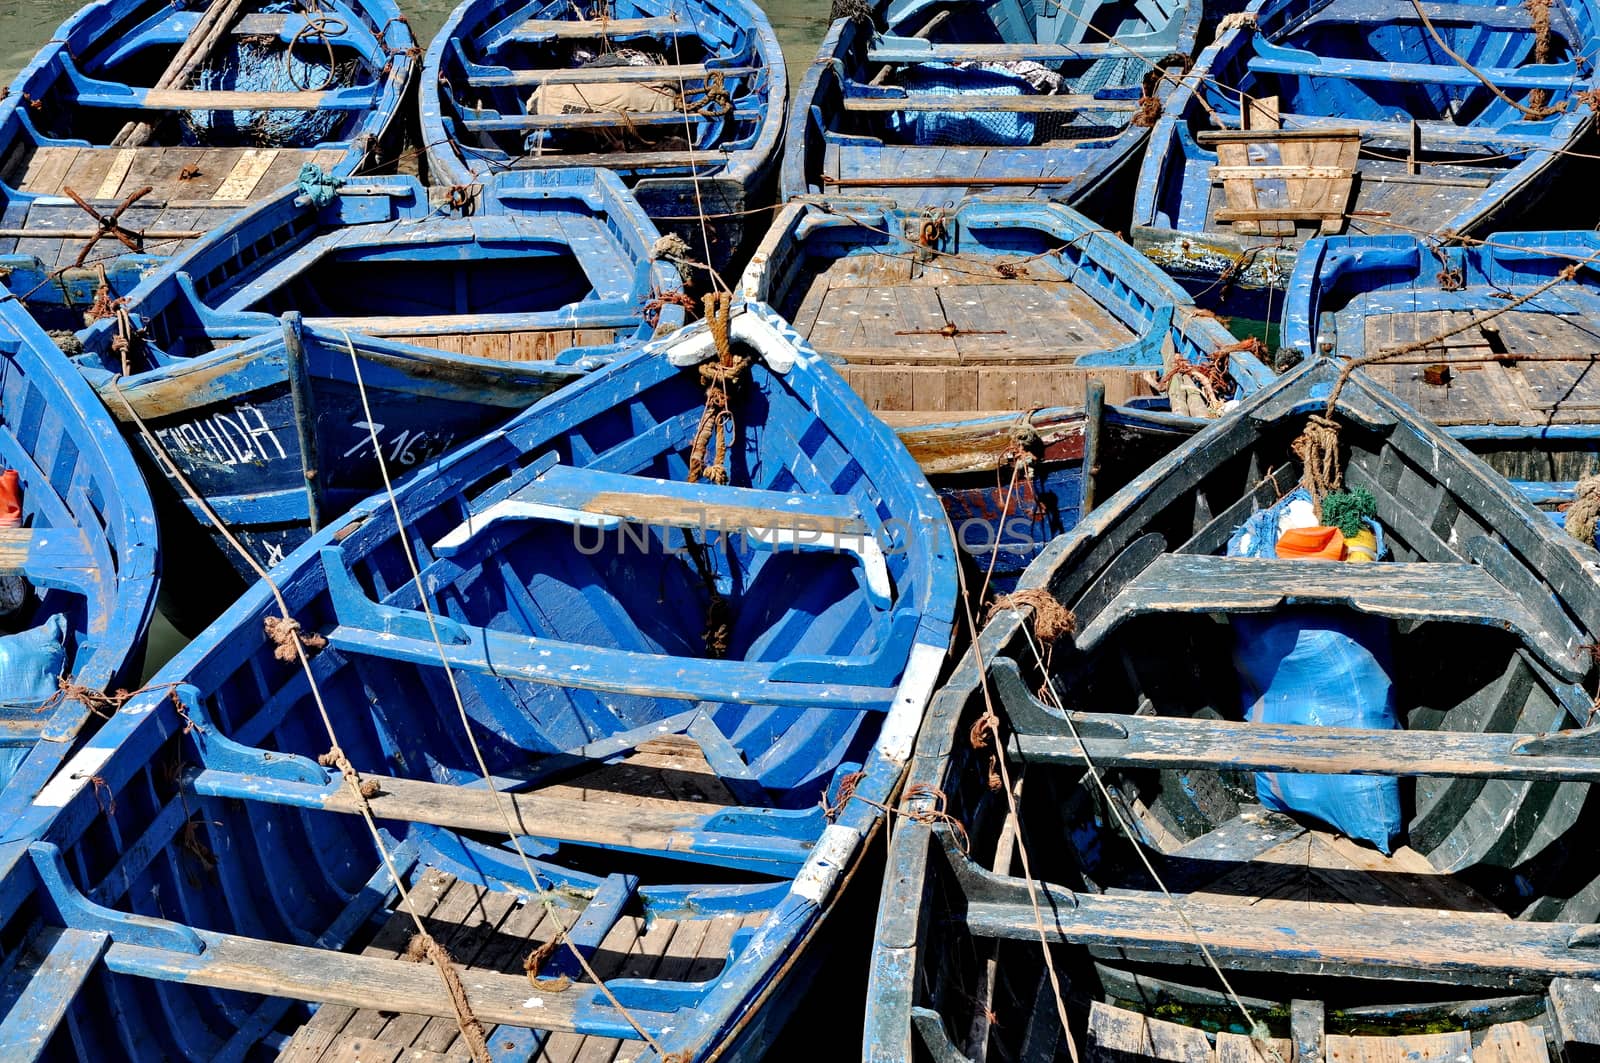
x=1551 y=390
x=219 y=182
x=1331 y=870
x=955 y=334
x=487 y=930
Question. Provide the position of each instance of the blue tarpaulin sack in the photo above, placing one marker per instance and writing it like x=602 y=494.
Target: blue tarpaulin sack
x=1319 y=667
x=31 y=663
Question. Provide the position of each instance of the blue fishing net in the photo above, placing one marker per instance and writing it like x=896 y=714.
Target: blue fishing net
x=990 y=129
x=266 y=64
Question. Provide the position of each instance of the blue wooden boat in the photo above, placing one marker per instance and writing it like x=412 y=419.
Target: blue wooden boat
x=1033 y=99
x=233 y=364
x=1359 y=122
x=979 y=333
x=684 y=101
x=1519 y=385
x=669 y=799
x=78 y=560
x=1474 y=929
x=143 y=124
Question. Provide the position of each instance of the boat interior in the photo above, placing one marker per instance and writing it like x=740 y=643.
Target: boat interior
x=1132 y=768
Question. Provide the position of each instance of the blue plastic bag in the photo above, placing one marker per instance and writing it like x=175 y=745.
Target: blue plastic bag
x=1326 y=669
x=1319 y=667
x=31 y=663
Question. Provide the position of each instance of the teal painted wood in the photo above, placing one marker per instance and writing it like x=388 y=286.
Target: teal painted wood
x=969 y=454
x=1550 y=440
x=554 y=555
x=96 y=74
x=92 y=550
x=695 y=165
x=1096 y=54
x=1373 y=69
x=1496 y=757
x=460 y=315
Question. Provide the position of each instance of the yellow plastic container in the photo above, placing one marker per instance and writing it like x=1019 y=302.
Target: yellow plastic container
x=1361 y=548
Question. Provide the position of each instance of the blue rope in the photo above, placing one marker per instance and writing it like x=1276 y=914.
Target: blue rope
x=319 y=185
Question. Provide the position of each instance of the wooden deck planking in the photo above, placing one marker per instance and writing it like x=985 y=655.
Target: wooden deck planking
x=227 y=175
x=1326 y=868
x=883 y=313
x=1508 y=392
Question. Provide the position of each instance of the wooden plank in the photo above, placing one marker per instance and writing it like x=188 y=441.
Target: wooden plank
x=246 y=174
x=670 y=73
x=1117 y=1034
x=1575 y=1006
x=1238 y=1048
x=1266 y=173
x=1455 y=1047
x=44 y=986
x=312 y=1040
x=1511 y=1042
x=1210 y=137
x=250 y=965
x=967 y=104
x=217 y=100
x=122 y=162
x=473 y=808
x=48 y=168
x=599 y=29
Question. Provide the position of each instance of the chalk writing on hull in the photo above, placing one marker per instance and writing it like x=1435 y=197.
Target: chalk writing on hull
x=239 y=437
x=405 y=446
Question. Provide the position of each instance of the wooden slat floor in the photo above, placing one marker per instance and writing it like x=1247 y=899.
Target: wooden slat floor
x=486 y=930
x=1012 y=345
x=1510 y=392
x=222 y=181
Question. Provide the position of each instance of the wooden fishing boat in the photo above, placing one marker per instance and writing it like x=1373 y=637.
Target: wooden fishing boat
x=233 y=366
x=1472 y=934
x=1051 y=100
x=684 y=101
x=671 y=795
x=78 y=560
x=980 y=333
x=1518 y=381
x=142 y=125
x=1359 y=121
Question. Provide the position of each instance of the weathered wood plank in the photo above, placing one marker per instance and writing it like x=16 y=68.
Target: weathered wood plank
x=1117 y=1035
x=1511 y=1042
x=1455 y=1047
x=968 y=103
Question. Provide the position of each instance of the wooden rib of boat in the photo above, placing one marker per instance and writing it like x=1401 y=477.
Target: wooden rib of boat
x=978 y=333
x=237 y=357
x=84 y=546
x=1519 y=385
x=684 y=100
x=1476 y=931
x=222 y=895
x=1359 y=122
x=993 y=95
x=165 y=120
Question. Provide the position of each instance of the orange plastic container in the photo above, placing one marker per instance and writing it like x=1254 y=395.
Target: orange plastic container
x=1312 y=544
x=10 y=499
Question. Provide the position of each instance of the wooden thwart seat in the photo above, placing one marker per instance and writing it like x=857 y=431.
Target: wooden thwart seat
x=1408 y=944
x=606 y=75
x=1023 y=104
x=1429 y=592
x=598 y=29
x=761 y=839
